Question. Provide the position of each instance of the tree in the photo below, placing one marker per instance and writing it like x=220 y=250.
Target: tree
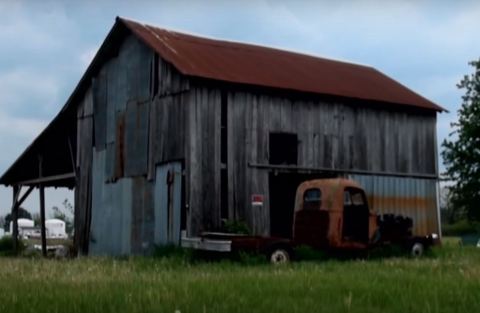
x=461 y=153
x=65 y=214
x=22 y=213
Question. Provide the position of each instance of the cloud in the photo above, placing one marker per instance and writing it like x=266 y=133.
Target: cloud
x=28 y=92
x=87 y=56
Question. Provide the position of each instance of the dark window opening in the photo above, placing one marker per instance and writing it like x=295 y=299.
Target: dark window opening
x=283 y=149
x=312 y=199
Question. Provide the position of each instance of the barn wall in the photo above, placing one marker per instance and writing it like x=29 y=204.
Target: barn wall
x=333 y=136
x=140 y=113
x=134 y=120
x=202 y=147
x=330 y=135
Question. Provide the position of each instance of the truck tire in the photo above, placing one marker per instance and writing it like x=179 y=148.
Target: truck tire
x=417 y=249
x=279 y=255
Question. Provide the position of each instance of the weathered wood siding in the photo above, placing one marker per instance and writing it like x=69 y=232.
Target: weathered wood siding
x=203 y=160
x=84 y=172
x=330 y=135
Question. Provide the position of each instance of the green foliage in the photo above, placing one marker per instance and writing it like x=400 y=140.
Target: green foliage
x=22 y=213
x=461 y=228
x=6 y=246
x=182 y=255
x=236 y=227
x=461 y=153
x=66 y=214
x=306 y=253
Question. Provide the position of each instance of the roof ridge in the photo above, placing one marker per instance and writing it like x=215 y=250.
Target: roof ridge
x=217 y=42
x=267 y=66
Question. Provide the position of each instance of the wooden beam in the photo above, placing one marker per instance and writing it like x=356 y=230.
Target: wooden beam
x=42 y=208
x=14 y=215
x=43 y=180
x=24 y=197
x=42 y=220
x=294 y=168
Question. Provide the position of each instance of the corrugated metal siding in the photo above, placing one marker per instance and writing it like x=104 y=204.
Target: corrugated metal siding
x=111 y=222
x=124 y=199
x=413 y=197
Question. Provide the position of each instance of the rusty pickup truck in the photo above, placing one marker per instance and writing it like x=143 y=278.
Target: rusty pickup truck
x=329 y=214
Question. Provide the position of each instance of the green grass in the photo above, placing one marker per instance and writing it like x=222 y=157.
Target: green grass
x=446 y=281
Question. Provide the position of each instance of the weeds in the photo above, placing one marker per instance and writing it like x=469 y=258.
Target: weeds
x=447 y=281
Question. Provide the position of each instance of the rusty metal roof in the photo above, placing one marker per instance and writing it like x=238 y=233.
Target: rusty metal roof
x=268 y=67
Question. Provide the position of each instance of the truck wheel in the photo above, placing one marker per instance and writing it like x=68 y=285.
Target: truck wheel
x=279 y=255
x=417 y=249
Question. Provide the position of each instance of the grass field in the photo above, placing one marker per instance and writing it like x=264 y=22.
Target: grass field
x=446 y=281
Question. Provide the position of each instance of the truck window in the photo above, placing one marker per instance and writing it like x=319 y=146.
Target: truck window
x=357 y=198
x=312 y=199
x=347 y=200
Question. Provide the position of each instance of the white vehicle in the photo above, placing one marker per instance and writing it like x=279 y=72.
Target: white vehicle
x=55 y=228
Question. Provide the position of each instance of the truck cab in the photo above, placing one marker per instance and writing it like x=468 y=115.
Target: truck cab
x=333 y=213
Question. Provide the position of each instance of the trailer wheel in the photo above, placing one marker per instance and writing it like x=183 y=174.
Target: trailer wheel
x=279 y=255
x=417 y=249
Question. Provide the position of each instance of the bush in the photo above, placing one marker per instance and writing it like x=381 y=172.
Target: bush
x=235 y=227
x=461 y=228
x=6 y=246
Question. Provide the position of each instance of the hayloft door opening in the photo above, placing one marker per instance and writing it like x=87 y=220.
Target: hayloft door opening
x=168 y=203
x=283 y=149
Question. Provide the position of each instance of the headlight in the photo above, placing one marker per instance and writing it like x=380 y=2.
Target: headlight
x=434 y=236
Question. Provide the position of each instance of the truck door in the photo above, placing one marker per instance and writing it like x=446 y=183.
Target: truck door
x=355 y=216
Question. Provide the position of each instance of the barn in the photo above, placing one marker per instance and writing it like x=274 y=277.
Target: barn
x=168 y=132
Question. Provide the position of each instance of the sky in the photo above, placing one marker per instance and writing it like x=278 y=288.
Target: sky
x=45 y=47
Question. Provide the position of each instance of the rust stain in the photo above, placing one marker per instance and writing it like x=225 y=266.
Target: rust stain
x=392 y=203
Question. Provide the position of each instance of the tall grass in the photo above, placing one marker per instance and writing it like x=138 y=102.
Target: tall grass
x=447 y=281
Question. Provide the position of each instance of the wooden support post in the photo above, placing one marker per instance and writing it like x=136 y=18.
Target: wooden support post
x=42 y=209
x=42 y=219
x=14 y=215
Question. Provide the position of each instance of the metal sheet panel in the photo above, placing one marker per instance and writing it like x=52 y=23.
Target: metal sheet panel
x=262 y=66
x=111 y=211
x=142 y=234
x=413 y=197
x=136 y=138
x=167 y=198
x=100 y=108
